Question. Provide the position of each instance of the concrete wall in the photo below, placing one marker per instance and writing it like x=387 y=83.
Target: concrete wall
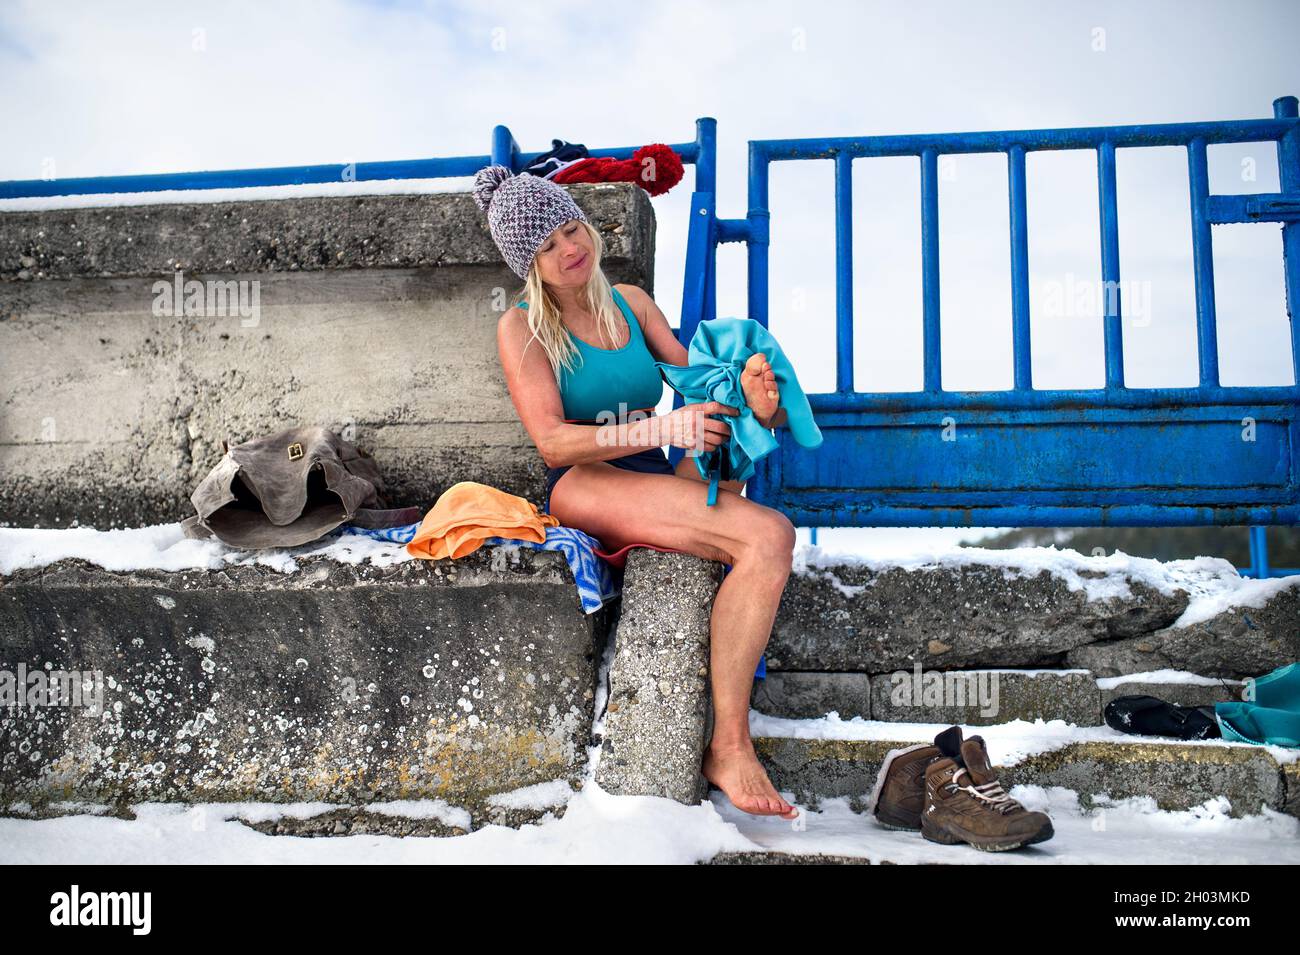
x=376 y=317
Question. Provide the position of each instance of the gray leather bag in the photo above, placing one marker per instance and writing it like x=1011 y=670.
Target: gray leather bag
x=291 y=488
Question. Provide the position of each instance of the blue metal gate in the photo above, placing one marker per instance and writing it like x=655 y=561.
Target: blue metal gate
x=1114 y=455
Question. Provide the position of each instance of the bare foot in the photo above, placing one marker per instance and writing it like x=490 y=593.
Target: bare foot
x=761 y=392
x=740 y=775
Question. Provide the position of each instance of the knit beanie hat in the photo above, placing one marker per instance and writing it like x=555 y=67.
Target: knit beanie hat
x=522 y=211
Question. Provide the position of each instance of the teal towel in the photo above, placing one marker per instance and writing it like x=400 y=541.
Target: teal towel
x=717 y=356
x=1272 y=717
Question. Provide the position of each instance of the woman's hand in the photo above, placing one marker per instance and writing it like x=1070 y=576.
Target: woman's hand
x=691 y=427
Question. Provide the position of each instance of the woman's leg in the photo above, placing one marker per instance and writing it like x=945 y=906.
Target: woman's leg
x=621 y=507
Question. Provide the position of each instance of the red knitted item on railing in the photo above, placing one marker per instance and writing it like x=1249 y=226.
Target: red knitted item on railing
x=655 y=177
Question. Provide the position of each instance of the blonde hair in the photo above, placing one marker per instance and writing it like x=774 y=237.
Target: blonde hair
x=544 y=314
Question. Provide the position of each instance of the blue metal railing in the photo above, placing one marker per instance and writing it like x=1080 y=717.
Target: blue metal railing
x=504 y=151
x=828 y=489
x=1024 y=456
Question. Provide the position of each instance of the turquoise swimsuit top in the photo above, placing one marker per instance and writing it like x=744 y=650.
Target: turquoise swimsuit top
x=604 y=377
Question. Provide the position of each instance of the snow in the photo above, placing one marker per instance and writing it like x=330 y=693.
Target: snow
x=264 y=811
x=540 y=796
x=165 y=547
x=599 y=828
x=1119 y=832
x=1162 y=676
x=1211 y=595
x=446 y=814
x=424 y=808
x=376 y=187
x=1212 y=584
x=1008 y=743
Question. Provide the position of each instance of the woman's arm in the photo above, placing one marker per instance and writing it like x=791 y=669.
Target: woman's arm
x=540 y=408
x=663 y=344
x=662 y=340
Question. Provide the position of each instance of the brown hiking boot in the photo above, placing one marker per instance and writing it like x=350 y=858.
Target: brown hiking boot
x=899 y=793
x=966 y=803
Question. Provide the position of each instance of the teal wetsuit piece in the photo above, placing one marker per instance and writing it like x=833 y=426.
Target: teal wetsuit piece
x=604 y=378
x=1271 y=717
x=718 y=353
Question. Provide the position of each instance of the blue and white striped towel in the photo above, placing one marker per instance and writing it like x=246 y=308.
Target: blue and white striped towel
x=596 y=582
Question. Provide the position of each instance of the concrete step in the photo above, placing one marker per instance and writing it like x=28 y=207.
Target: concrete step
x=974 y=697
x=335 y=683
x=1175 y=775
x=1031 y=608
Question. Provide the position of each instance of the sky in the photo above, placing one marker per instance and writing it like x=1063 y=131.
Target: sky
x=98 y=89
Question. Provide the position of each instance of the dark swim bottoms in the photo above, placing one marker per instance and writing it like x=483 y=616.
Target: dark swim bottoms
x=647 y=461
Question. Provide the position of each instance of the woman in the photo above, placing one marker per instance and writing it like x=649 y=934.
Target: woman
x=595 y=348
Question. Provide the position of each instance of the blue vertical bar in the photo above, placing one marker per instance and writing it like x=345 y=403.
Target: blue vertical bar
x=930 y=268
x=759 y=219
x=695 y=284
x=504 y=148
x=1259 y=552
x=844 y=271
x=706 y=134
x=699 y=285
x=1019 y=218
x=1207 y=334
x=1110 y=265
x=706 y=163
x=1288 y=169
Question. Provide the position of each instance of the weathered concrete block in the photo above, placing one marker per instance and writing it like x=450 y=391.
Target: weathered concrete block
x=1238 y=643
x=803 y=695
x=853 y=617
x=337 y=683
x=376 y=317
x=656 y=721
x=1175 y=775
x=810 y=768
x=1291 y=783
x=985 y=697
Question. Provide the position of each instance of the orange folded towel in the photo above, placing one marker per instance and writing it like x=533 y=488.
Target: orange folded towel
x=468 y=512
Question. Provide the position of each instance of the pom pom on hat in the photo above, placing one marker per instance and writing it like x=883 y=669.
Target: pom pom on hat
x=486 y=183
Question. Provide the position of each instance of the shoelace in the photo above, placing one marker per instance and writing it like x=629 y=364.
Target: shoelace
x=990 y=792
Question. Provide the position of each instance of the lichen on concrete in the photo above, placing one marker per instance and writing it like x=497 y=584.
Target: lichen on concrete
x=340 y=683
